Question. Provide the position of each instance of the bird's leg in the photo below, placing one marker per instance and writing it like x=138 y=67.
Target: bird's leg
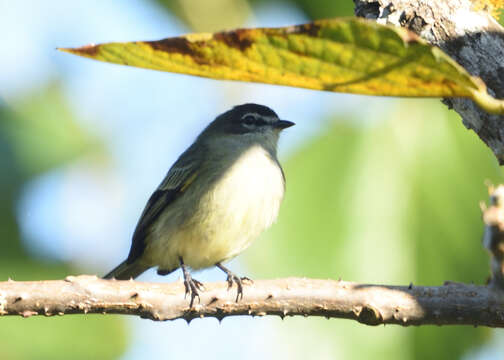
x=191 y=285
x=232 y=278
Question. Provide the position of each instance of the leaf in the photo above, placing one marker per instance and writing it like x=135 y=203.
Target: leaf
x=343 y=55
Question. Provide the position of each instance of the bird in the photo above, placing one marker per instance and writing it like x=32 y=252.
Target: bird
x=218 y=197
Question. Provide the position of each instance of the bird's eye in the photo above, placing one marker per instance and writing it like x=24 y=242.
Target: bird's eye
x=249 y=120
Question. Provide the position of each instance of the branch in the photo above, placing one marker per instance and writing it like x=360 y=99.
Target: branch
x=450 y=304
x=470 y=36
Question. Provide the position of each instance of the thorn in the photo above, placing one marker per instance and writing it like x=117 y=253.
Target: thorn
x=410 y=286
x=19 y=298
x=270 y=296
x=134 y=295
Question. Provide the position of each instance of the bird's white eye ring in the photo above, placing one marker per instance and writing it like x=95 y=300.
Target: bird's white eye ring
x=248 y=120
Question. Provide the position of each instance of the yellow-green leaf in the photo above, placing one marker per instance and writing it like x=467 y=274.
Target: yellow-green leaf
x=342 y=55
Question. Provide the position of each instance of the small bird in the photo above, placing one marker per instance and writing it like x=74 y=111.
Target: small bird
x=220 y=194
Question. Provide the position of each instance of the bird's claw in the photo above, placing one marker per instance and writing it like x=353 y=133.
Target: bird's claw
x=239 y=286
x=192 y=287
x=232 y=278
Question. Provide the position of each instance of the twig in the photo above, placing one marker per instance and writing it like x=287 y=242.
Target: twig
x=450 y=304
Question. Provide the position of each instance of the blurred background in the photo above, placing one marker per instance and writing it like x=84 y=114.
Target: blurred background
x=378 y=190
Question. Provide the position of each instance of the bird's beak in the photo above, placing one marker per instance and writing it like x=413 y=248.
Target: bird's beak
x=283 y=124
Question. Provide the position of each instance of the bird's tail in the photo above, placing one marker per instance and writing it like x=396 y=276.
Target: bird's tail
x=126 y=271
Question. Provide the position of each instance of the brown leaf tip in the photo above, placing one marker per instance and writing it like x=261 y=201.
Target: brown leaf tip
x=90 y=50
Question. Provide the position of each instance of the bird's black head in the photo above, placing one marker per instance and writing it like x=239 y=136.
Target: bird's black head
x=249 y=118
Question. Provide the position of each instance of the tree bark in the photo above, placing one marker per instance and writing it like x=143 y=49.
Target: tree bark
x=469 y=35
x=450 y=304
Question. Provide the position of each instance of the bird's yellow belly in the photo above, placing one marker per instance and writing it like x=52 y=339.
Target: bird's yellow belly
x=240 y=205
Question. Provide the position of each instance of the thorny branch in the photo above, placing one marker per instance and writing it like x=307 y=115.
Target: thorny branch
x=450 y=304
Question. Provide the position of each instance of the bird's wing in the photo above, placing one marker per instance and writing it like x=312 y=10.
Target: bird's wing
x=178 y=179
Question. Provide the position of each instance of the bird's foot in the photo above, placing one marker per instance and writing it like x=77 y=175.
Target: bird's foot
x=233 y=278
x=192 y=287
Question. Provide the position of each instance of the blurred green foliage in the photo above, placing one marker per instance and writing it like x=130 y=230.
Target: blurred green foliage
x=318 y=9
x=218 y=15
x=39 y=132
x=76 y=337
x=392 y=202
x=42 y=131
